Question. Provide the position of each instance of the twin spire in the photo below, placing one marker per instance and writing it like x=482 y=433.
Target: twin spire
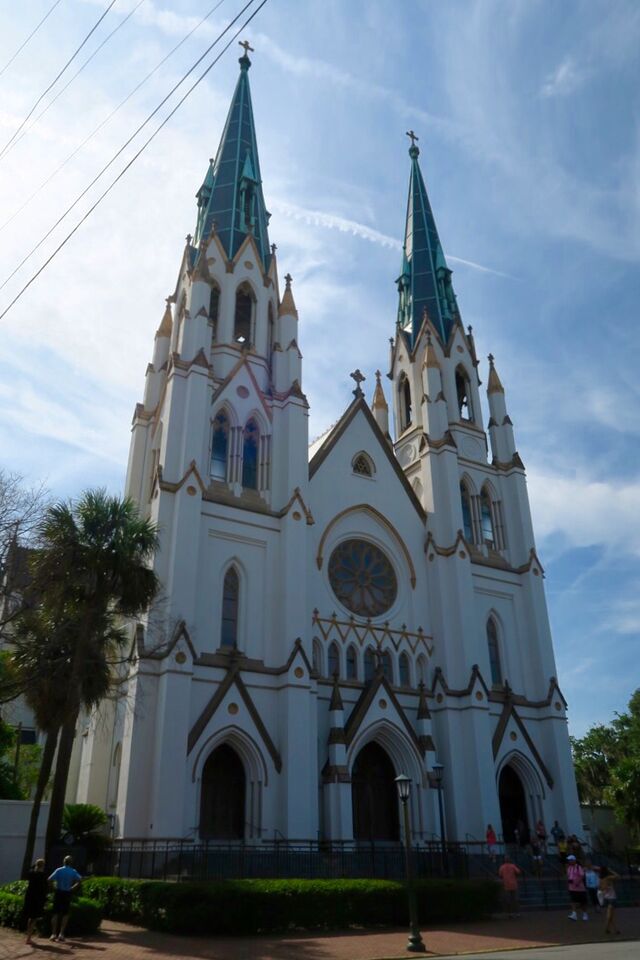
x=231 y=201
x=231 y=197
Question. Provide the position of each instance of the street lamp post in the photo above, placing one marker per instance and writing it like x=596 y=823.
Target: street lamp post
x=437 y=772
x=414 y=943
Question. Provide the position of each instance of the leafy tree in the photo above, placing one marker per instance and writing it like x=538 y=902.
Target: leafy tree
x=9 y=789
x=607 y=765
x=21 y=509
x=594 y=757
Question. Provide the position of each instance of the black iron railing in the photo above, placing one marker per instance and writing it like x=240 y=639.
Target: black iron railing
x=187 y=859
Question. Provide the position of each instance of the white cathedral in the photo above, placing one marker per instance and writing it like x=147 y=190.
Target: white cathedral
x=332 y=615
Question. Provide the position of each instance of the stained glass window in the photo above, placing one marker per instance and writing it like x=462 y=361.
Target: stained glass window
x=494 y=652
x=334 y=660
x=250 y=456
x=467 y=522
x=230 y=594
x=352 y=663
x=486 y=520
x=219 y=447
x=369 y=663
x=362 y=578
x=405 y=677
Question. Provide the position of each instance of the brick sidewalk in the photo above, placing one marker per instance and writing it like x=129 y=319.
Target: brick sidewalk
x=119 y=942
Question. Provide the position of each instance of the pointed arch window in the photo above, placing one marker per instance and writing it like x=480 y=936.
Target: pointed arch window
x=404 y=391
x=463 y=394
x=405 y=674
x=243 y=317
x=387 y=666
x=230 y=604
x=467 y=516
x=494 y=652
x=334 y=660
x=362 y=465
x=486 y=519
x=421 y=669
x=250 y=442
x=369 y=663
x=317 y=656
x=214 y=307
x=352 y=663
x=220 y=446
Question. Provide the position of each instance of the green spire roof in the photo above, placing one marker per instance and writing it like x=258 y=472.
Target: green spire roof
x=425 y=280
x=231 y=193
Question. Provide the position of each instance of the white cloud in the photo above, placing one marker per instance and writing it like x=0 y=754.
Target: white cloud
x=586 y=512
x=564 y=80
x=335 y=222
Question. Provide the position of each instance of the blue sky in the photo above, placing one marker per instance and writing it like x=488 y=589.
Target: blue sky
x=529 y=129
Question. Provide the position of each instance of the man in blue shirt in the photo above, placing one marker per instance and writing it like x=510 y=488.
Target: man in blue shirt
x=66 y=880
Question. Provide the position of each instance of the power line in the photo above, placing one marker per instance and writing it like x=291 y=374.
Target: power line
x=124 y=146
x=76 y=74
x=112 y=114
x=55 y=80
x=32 y=34
x=136 y=155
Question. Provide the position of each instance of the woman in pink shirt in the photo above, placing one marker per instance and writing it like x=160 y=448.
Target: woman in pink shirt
x=577 y=888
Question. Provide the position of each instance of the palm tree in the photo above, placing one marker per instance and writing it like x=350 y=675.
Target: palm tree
x=39 y=658
x=92 y=569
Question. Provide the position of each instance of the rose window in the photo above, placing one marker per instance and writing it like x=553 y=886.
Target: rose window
x=362 y=578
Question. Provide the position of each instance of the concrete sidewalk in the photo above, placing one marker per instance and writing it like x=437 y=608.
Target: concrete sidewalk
x=119 y=942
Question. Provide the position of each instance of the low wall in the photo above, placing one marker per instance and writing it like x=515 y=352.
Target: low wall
x=14 y=823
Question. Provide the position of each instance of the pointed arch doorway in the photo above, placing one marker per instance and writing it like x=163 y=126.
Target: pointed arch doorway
x=374 y=795
x=513 y=806
x=222 y=801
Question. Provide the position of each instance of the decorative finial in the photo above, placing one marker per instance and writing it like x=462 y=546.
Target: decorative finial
x=359 y=378
x=470 y=330
x=428 y=337
x=490 y=358
x=273 y=249
x=188 y=238
x=288 y=279
x=378 y=378
x=414 y=151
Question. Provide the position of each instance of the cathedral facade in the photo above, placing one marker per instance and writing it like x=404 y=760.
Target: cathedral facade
x=332 y=615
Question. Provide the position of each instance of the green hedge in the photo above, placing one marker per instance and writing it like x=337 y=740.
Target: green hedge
x=84 y=919
x=252 y=906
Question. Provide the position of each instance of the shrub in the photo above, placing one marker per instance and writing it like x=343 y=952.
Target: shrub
x=84 y=919
x=252 y=906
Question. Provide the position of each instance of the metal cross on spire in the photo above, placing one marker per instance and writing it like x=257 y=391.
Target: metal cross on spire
x=359 y=378
x=245 y=45
x=413 y=137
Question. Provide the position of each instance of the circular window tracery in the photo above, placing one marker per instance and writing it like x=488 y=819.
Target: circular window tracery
x=362 y=578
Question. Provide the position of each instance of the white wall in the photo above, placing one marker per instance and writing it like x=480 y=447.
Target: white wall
x=14 y=823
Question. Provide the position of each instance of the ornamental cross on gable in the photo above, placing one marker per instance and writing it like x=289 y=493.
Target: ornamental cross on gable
x=245 y=45
x=359 y=378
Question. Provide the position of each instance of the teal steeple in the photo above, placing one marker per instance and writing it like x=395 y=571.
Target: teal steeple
x=425 y=281
x=231 y=193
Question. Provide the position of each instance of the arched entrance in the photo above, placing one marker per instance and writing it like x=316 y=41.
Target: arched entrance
x=513 y=806
x=222 y=801
x=374 y=795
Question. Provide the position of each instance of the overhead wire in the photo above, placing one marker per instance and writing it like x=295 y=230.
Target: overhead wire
x=32 y=34
x=76 y=74
x=57 y=77
x=123 y=147
x=144 y=146
x=112 y=114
